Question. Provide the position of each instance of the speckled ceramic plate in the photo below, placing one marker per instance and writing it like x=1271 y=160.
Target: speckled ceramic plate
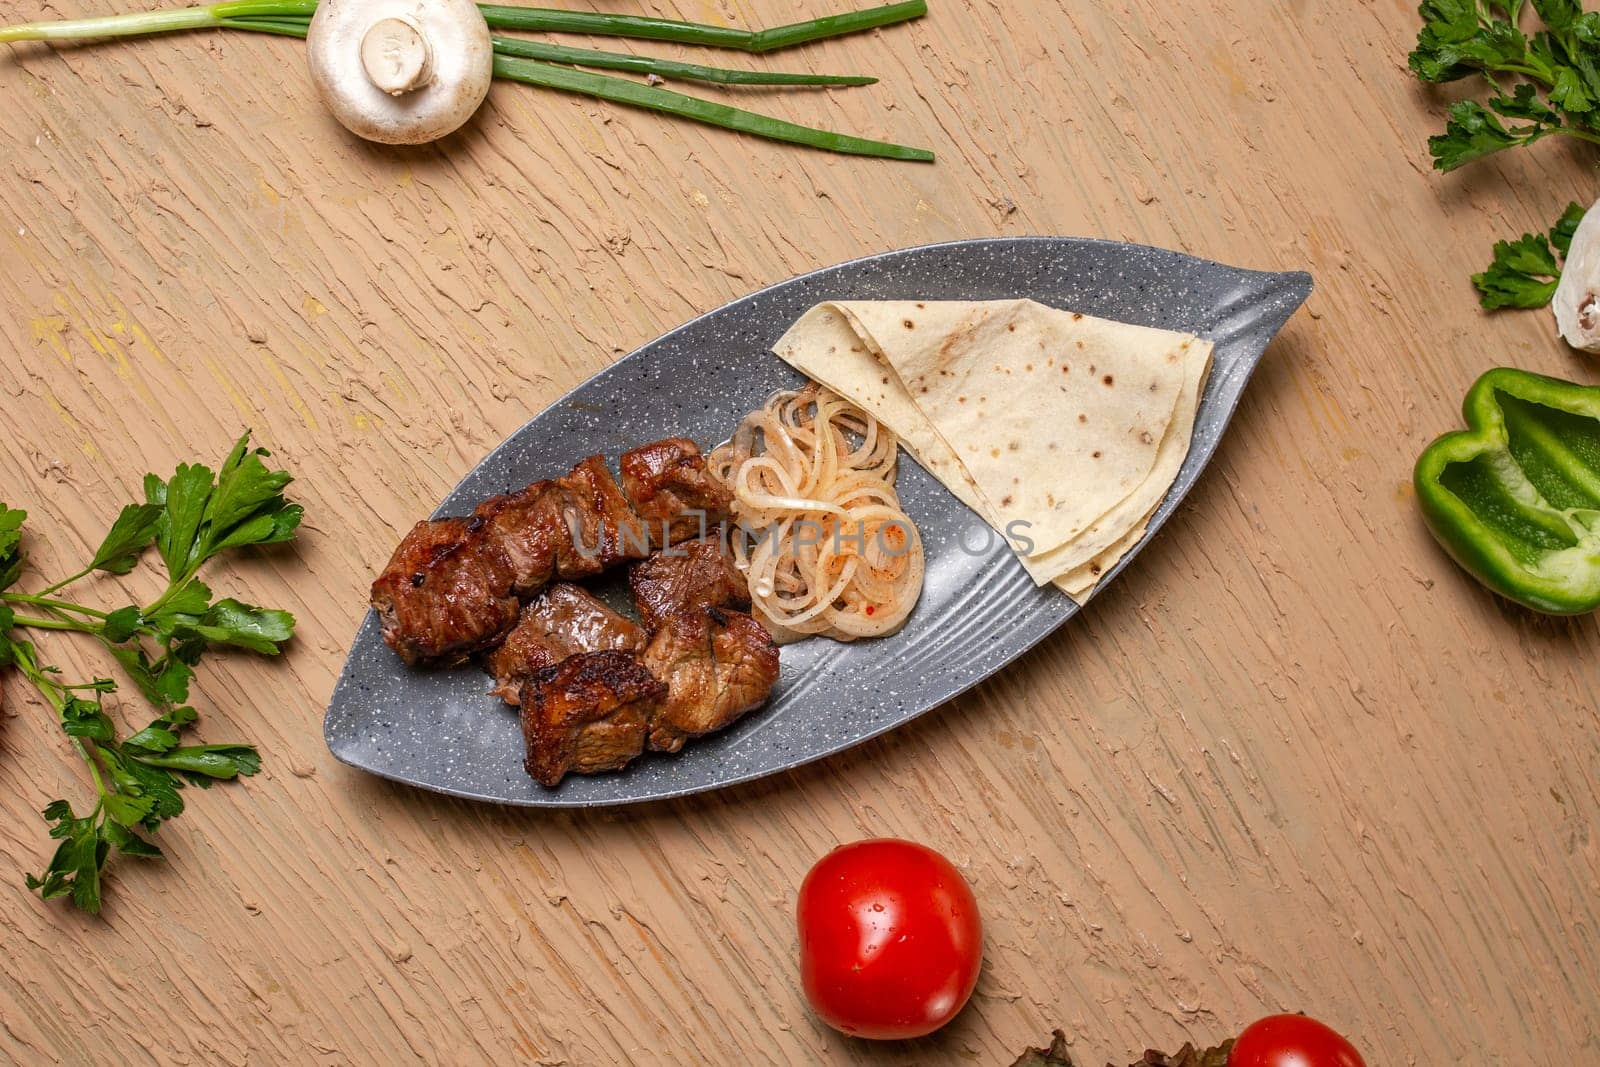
x=978 y=612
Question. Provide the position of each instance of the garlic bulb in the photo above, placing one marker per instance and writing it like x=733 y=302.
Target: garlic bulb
x=1577 y=299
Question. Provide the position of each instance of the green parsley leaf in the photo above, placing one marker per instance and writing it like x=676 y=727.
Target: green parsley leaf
x=1524 y=273
x=229 y=622
x=245 y=488
x=133 y=776
x=185 y=496
x=207 y=761
x=1567 y=225
x=1559 y=15
x=11 y=558
x=86 y=719
x=129 y=809
x=121 y=625
x=126 y=841
x=1472 y=133
x=188 y=602
x=130 y=535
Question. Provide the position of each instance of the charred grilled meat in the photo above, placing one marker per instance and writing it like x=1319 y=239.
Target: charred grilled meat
x=695 y=574
x=452 y=586
x=604 y=528
x=669 y=486
x=717 y=664
x=562 y=621
x=445 y=594
x=573 y=527
x=588 y=713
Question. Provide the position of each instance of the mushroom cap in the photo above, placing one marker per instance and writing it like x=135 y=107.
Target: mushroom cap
x=451 y=75
x=1576 y=303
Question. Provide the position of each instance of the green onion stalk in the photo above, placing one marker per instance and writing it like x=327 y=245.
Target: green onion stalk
x=553 y=66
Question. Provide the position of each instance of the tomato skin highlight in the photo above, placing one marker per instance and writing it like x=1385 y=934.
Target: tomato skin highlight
x=1292 y=1041
x=890 y=939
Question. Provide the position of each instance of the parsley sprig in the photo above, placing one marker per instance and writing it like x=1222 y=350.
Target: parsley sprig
x=1525 y=272
x=1542 y=84
x=190 y=518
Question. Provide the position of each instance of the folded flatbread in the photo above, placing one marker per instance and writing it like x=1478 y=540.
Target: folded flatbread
x=1063 y=431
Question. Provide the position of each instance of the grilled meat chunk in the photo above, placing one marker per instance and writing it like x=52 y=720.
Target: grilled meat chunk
x=560 y=622
x=717 y=664
x=452 y=587
x=695 y=574
x=527 y=528
x=670 y=487
x=444 y=594
x=573 y=527
x=588 y=713
x=602 y=527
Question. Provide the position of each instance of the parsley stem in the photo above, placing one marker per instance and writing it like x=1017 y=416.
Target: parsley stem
x=57 y=624
x=56 y=697
x=43 y=601
x=63 y=583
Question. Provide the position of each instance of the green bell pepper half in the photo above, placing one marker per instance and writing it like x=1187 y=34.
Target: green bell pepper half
x=1515 y=498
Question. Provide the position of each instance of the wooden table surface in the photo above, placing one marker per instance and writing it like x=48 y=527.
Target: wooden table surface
x=1293 y=759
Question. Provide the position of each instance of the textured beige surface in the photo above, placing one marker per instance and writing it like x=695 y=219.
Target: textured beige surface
x=1292 y=759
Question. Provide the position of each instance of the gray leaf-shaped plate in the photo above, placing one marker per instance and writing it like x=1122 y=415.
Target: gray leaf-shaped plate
x=979 y=611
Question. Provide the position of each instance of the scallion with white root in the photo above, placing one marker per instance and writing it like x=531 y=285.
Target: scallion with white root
x=411 y=71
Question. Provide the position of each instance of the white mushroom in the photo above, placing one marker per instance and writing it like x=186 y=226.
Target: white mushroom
x=1577 y=299
x=400 y=71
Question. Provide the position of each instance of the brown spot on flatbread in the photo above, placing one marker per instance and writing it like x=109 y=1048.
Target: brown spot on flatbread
x=1091 y=368
x=1107 y=379
x=1049 y=498
x=1051 y=446
x=994 y=452
x=961 y=400
x=1097 y=455
x=1080 y=344
x=909 y=325
x=1094 y=569
x=924 y=389
x=1066 y=368
x=1006 y=503
x=1076 y=315
x=885 y=381
x=1172 y=357
x=1014 y=446
x=1011 y=327
x=1082 y=417
x=1027 y=366
x=1154 y=386
x=1145 y=438
x=921 y=306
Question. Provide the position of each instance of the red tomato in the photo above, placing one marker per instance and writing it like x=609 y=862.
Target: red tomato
x=1292 y=1041
x=890 y=939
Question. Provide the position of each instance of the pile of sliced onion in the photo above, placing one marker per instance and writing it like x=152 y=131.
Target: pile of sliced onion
x=822 y=539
